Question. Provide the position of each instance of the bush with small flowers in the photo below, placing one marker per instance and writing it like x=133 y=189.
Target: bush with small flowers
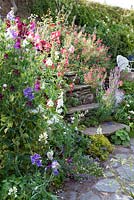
x=33 y=59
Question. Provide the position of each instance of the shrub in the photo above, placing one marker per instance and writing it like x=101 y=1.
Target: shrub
x=99 y=147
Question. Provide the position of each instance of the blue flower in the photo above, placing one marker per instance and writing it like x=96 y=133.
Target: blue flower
x=55 y=172
x=28 y=92
x=36 y=160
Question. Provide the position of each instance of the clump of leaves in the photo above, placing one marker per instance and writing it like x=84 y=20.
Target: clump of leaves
x=121 y=137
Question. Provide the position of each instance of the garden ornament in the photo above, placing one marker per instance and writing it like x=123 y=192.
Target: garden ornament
x=123 y=63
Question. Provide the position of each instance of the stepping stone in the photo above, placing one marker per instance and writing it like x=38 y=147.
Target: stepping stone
x=119 y=197
x=126 y=172
x=132 y=144
x=109 y=174
x=79 y=87
x=83 y=108
x=107 y=185
x=89 y=196
x=108 y=128
x=70 y=73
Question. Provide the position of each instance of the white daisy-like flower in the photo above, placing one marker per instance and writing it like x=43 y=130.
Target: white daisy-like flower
x=43 y=137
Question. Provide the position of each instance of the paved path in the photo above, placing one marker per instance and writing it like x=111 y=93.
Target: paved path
x=117 y=183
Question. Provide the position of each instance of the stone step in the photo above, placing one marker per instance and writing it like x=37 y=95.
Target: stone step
x=108 y=128
x=83 y=108
x=70 y=74
x=79 y=88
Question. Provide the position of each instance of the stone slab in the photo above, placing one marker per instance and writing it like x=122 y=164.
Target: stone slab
x=89 y=196
x=83 y=108
x=126 y=172
x=107 y=128
x=119 y=197
x=107 y=185
x=79 y=87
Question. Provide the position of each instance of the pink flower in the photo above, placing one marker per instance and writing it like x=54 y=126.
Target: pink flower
x=71 y=49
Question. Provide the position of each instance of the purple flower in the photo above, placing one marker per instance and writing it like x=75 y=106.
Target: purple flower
x=28 y=92
x=13 y=34
x=56 y=172
x=17 y=44
x=55 y=164
x=36 y=160
x=37 y=86
x=1 y=96
x=6 y=56
x=32 y=26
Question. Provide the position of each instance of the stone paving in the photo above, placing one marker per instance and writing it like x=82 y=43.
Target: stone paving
x=116 y=184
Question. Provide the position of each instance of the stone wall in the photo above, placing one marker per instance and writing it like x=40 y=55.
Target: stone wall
x=23 y=7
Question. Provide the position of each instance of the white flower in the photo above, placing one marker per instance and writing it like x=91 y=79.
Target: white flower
x=72 y=119
x=57 y=55
x=50 y=155
x=131 y=111
x=49 y=62
x=99 y=130
x=53 y=120
x=60 y=103
x=43 y=137
x=25 y=43
x=128 y=105
x=39 y=109
x=55 y=164
x=50 y=103
x=13 y=191
x=4 y=85
x=59 y=110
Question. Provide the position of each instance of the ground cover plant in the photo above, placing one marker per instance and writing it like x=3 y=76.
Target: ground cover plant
x=36 y=144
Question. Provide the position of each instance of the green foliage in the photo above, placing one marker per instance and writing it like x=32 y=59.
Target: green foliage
x=121 y=137
x=26 y=187
x=128 y=87
x=99 y=147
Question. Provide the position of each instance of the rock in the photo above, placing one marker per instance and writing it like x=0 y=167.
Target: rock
x=82 y=108
x=82 y=93
x=89 y=196
x=118 y=197
x=126 y=172
x=109 y=174
x=121 y=156
x=107 y=128
x=107 y=185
